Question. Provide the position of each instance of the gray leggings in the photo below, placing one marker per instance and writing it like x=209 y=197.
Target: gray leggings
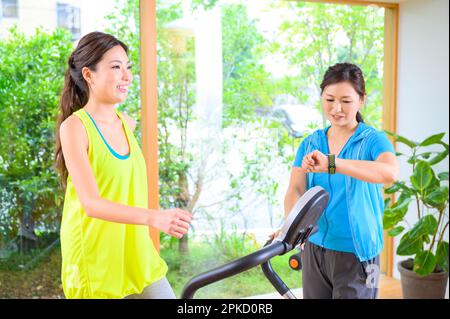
x=333 y=274
x=160 y=289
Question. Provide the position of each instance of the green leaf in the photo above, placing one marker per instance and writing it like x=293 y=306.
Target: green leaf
x=434 y=139
x=402 y=202
x=424 y=263
x=422 y=176
x=400 y=185
x=395 y=231
x=395 y=214
x=389 y=221
x=438 y=197
x=387 y=202
x=417 y=157
x=425 y=155
x=442 y=255
x=402 y=139
x=434 y=184
x=409 y=245
x=394 y=188
x=444 y=144
x=441 y=156
x=427 y=225
x=443 y=176
x=406 y=141
x=407 y=192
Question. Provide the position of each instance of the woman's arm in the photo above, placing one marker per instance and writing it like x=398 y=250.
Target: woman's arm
x=384 y=170
x=296 y=188
x=74 y=144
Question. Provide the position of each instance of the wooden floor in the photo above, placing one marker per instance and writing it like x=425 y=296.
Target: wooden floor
x=390 y=288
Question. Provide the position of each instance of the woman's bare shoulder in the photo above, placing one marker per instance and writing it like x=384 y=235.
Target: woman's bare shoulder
x=72 y=129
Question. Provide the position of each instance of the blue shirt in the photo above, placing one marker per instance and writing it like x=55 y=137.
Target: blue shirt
x=334 y=225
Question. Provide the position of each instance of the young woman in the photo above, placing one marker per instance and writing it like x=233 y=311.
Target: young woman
x=105 y=243
x=351 y=160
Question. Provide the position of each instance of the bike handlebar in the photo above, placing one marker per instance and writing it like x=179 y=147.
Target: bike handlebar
x=234 y=267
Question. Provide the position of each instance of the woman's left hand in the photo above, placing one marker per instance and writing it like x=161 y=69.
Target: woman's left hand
x=315 y=162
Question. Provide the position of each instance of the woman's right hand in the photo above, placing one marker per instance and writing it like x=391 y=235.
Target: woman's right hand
x=174 y=222
x=274 y=234
x=277 y=232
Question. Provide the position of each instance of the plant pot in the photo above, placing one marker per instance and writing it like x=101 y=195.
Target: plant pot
x=432 y=286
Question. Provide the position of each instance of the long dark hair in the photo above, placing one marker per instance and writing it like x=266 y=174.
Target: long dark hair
x=346 y=72
x=75 y=94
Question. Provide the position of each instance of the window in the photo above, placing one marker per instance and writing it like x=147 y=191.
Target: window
x=69 y=18
x=9 y=9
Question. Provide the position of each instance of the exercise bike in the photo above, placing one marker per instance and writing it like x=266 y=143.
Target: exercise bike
x=298 y=226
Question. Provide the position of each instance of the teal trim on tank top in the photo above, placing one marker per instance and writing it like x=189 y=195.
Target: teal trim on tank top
x=122 y=157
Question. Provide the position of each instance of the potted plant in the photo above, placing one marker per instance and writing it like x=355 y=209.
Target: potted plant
x=425 y=273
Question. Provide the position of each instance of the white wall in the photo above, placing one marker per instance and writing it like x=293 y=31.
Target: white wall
x=42 y=13
x=423 y=94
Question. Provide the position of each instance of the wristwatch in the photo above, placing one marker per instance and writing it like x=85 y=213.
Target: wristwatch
x=331 y=164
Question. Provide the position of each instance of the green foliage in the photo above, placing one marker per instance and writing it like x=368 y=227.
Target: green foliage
x=205 y=4
x=42 y=281
x=442 y=254
x=264 y=150
x=424 y=262
x=31 y=78
x=246 y=83
x=232 y=245
x=15 y=259
x=424 y=239
x=204 y=257
x=176 y=98
x=315 y=36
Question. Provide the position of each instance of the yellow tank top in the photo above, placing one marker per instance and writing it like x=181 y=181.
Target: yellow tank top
x=102 y=259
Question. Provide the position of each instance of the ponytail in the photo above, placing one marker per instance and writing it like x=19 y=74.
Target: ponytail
x=359 y=118
x=73 y=98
